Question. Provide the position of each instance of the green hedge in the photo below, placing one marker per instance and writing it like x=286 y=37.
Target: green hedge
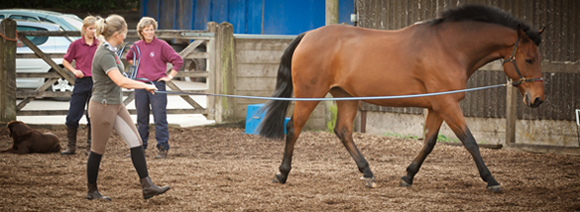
x=80 y=5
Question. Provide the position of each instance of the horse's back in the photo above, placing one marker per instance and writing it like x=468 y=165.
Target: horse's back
x=361 y=60
x=348 y=47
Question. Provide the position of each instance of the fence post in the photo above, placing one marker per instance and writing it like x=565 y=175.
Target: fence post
x=331 y=12
x=211 y=49
x=224 y=77
x=7 y=71
x=510 y=131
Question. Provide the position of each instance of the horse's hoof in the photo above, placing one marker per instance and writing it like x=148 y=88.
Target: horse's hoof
x=279 y=178
x=495 y=189
x=404 y=183
x=369 y=182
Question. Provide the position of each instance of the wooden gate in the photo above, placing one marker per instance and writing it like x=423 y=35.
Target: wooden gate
x=209 y=38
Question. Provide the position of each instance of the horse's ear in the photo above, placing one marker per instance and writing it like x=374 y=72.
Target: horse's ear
x=522 y=35
x=542 y=30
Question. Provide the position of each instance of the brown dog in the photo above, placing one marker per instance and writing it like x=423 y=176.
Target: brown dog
x=28 y=140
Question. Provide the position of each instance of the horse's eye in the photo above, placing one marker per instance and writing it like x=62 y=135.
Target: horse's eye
x=529 y=61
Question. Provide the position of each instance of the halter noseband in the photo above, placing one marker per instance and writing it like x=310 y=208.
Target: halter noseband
x=512 y=59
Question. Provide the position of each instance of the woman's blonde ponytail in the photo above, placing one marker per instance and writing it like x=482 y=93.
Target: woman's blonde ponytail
x=105 y=28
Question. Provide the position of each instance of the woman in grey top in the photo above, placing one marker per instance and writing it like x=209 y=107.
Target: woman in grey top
x=106 y=109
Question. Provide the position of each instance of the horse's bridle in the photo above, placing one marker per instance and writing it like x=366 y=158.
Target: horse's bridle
x=512 y=59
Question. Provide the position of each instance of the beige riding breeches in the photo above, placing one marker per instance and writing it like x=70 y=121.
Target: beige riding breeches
x=105 y=118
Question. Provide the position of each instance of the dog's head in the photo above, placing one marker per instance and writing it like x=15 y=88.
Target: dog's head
x=16 y=126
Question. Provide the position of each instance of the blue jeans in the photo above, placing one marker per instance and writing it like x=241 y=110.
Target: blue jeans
x=78 y=100
x=158 y=103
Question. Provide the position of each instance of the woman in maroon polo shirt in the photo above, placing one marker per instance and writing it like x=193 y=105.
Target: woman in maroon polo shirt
x=155 y=54
x=82 y=52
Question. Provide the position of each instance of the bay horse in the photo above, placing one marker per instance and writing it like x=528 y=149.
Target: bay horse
x=433 y=56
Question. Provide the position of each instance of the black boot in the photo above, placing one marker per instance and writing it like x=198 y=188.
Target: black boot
x=71 y=134
x=94 y=193
x=150 y=189
x=162 y=153
x=89 y=140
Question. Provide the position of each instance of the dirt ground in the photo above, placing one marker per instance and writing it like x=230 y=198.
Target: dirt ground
x=223 y=169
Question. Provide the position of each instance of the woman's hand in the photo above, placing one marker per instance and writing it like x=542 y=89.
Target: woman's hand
x=151 y=88
x=78 y=73
x=165 y=78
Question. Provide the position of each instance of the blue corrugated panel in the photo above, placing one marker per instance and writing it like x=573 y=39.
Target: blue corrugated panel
x=150 y=8
x=167 y=17
x=202 y=14
x=291 y=17
x=237 y=15
x=254 y=17
x=219 y=10
x=288 y=17
x=185 y=14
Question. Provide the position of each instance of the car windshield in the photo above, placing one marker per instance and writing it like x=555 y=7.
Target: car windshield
x=77 y=23
x=36 y=40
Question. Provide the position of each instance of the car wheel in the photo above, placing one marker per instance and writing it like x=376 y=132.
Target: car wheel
x=61 y=85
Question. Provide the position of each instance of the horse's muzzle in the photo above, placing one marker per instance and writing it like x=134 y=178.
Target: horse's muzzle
x=537 y=101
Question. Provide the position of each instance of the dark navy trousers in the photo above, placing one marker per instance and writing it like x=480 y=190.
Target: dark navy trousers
x=146 y=102
x=80 y=97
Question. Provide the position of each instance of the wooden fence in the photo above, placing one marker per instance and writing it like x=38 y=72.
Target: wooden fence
x=217 y=39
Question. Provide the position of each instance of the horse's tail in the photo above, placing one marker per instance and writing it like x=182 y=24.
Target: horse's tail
x=273 y=124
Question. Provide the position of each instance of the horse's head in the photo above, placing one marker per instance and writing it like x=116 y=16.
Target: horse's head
x=523 y=66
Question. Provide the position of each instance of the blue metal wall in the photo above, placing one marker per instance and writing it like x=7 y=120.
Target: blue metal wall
x=287 y=17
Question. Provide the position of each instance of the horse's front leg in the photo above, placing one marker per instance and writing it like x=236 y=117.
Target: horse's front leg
x=432 y=124
x=455 y=120
x=343 y=129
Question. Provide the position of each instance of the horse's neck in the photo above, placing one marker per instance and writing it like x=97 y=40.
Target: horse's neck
x=479 y=43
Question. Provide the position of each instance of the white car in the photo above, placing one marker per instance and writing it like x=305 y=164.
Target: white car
x=48 y=45
x=35 y=20
x=67 y=22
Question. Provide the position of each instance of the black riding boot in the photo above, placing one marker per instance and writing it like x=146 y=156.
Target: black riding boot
x=89 y=140
x=94 y=193
x=150 y=189
x=71 y=134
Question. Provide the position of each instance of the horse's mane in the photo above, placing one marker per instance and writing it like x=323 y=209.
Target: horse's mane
x=488 y=14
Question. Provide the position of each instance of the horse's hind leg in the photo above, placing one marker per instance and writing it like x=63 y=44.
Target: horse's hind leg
x=302 y=110
x=432 y=124
x=343 y=129
x=455 y=120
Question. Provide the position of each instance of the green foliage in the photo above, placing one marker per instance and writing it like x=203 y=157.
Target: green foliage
x=442 y=138
x=333 y=109
x=408 y=136
x=79 y=5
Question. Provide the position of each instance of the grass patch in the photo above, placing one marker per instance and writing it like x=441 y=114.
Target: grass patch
x=408 y=136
